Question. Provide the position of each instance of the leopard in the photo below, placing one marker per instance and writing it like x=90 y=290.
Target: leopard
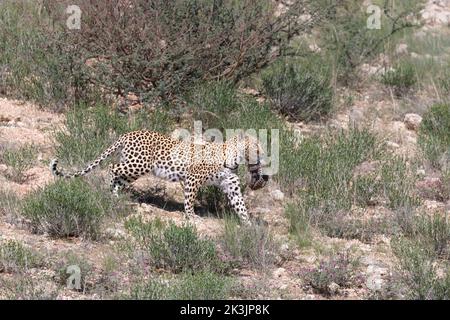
x=192 y=164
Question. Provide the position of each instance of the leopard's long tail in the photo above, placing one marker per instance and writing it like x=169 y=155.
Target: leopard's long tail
x=105 y=154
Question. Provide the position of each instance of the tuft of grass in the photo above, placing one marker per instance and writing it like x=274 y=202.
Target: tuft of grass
x=203 y=285
x=397 y=183
x=434 y=135
x=15 y=257
x=90 y=130
x=418 y=271
x=19 y=161
x=338 y=270
x=330 y=186
x=69 y=208
x=402 y=78
x=10 y=205
x=324 y=175
x=299 y=89
x=253 y=244
x=434 y=233
x=172 y=247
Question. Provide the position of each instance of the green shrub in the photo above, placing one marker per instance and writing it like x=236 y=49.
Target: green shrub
x=33 y=66
x=397 y=183
x=15 y=257
x=19 y=161
x=434 y=135
x=418 y=273
x=202 y=285
x=253 y=245
x=299 y=89
x=402 y=78
x=172 y=247
x=69 y=208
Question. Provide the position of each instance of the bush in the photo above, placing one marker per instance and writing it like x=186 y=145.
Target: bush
x=69 y=208
x=19 y=160
x=174 y=248
x=33 y=66
x=197 y=40
x=299 y=89
x=15 y=257
x=418 y=272
x=199 y=286
x=253 y=245
x=434 y=135
x=402 y=78
x=338 y=270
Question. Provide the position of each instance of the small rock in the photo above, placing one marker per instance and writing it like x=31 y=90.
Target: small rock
x=412 y=121
x=132 y=97
x=420 y=172
x=374 y=282
x=279 y=272
x=334 y=288
x=278 y=195
x=392 y=145
x=114 y=233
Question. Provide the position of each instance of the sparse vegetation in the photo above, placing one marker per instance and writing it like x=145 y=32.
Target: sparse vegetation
x=359 y=198
x=172 y=247
x=69 y=208
x=15 y=257
x=332 y=274
x=434 y=137
x=401 y=78
x=203 y=285
x=253 y=245
x=88 y=131
x=19 y=161
x=299 y=89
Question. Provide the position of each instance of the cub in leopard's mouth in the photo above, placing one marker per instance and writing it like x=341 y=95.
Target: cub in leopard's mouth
x=194 y=165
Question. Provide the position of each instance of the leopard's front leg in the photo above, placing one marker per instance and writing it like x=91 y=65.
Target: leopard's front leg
x=231 y=187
